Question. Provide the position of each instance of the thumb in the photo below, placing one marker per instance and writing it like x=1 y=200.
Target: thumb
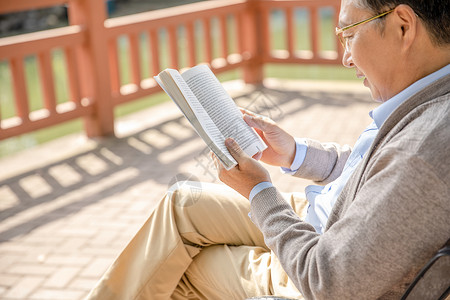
x=235 y=150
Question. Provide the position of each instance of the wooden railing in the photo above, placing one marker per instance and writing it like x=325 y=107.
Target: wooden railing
x=235 y=34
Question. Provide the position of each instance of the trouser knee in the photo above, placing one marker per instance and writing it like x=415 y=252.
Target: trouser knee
x=184 y=193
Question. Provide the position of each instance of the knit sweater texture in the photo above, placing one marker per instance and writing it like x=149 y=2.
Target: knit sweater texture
x=389 y=220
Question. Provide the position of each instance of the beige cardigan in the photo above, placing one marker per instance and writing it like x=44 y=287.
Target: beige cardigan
x=391 y=217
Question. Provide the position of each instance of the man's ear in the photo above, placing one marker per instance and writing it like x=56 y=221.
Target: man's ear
x=406 y=25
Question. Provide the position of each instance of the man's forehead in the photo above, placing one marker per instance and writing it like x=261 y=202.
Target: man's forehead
x=349 y=12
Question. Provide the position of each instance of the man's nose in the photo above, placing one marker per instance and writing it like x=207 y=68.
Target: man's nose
x=347 y=60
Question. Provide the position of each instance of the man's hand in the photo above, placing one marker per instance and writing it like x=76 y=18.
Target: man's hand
x=245 y=175
x=281 y=145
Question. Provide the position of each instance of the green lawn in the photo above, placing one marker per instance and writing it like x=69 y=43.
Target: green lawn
x=7 y=110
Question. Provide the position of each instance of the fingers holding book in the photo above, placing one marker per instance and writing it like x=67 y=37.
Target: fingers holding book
x=281 y=145
x=245 y=175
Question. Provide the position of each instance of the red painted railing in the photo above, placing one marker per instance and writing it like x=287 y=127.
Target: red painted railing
x=90 y=47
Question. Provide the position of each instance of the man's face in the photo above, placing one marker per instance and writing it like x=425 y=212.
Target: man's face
x=373 y=54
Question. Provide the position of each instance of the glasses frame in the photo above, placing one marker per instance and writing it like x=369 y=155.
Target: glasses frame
x=339 y=31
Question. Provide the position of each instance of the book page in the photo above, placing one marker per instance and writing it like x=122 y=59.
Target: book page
x=175 y=86
x=222 y=109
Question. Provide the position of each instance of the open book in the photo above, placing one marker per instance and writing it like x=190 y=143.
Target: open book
x=211 y=111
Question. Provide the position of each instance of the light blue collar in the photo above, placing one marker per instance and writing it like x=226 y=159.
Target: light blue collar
x=382 y=112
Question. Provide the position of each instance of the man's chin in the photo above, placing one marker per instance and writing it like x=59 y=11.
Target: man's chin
x=374 y=92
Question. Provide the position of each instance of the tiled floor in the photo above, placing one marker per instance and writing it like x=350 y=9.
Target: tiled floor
x=68 y=208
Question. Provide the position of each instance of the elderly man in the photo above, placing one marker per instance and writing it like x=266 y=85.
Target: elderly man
x=383 y=215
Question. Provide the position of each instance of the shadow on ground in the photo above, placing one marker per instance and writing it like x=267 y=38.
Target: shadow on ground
x=154 y=153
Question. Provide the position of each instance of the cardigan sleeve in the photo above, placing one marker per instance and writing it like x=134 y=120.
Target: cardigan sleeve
x=390 y=229
x=323 y=163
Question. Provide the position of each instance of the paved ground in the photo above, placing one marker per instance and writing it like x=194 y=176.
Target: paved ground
x=68 y=208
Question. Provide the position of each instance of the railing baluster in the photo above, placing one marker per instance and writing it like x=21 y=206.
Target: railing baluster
x=20 y=89
x=153 y=40
x=265 y=35
x=134 y=58
x=173 y=46
x=190 y=44
x=72 y=74
x=113 y=60
x=314 y=19
x=339 y=48
x=290 y=36
x=48 y=85
x=224 y=35
x=239 y=32
x=95 y=77
x=208 y=40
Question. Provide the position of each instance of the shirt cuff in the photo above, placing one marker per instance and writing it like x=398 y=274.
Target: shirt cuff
x=258 y=188
x=300 y=153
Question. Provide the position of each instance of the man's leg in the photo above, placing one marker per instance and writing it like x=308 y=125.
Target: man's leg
x=238 y=272
x=187 y=219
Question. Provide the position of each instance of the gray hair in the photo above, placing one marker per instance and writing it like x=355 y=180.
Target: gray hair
x=435 y=15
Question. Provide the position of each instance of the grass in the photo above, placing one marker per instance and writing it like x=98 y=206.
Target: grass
x=302 y=42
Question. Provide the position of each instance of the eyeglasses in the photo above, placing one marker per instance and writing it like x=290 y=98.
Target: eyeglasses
x=339 y=31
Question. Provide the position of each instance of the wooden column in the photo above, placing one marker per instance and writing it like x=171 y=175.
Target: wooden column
x=93 y=62
x=253 y=39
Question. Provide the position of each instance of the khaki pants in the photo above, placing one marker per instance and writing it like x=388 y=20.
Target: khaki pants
x=199 y=243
